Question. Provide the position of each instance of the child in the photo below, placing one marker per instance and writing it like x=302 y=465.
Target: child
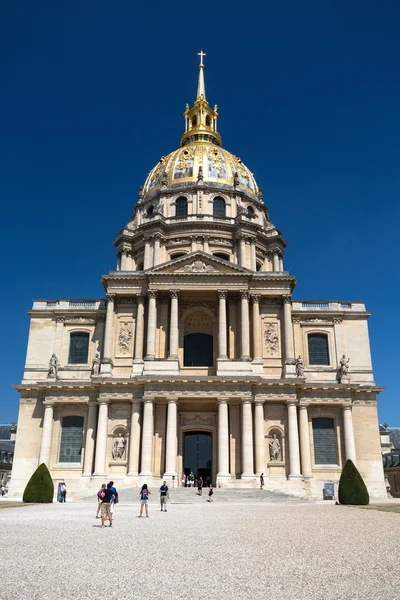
x=144 y=499
x=210 y=493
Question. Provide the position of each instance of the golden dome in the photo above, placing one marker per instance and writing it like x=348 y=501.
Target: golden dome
x=200 y=161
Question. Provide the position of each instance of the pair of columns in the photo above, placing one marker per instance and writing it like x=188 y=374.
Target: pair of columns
x=171 y=440
x=152 y=259
x=152 y=324
x=245 y=326
x=243 y=240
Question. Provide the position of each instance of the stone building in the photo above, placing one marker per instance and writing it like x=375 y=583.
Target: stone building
x=7 y=445
x=199 y=359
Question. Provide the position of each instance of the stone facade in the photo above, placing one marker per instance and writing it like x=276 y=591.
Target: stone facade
x=199 y=257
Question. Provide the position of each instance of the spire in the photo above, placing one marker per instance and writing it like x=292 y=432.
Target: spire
x=201 y=88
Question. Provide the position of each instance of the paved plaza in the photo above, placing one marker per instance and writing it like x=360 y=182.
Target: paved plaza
x=242 y=549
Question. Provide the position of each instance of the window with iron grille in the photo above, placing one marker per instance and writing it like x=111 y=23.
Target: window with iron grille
x=324 y=441
x=219 y=207
x=78 y=348
x=181 y=207
x=318 y=351
x=71 y=440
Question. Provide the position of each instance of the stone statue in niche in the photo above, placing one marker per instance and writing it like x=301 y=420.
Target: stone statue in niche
x=299 y=367
x=271 y=338
x=274 y=448
x=119 y=447
x=96 y=364
x=54 y=365
x=343 y=369
x=125 y=338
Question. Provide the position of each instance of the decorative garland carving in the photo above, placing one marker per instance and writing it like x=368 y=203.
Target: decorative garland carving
x=271 y=338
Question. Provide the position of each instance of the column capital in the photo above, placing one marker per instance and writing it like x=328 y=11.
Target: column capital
x=136 y=400
x=93 y=403
x=292 y=402
x=278 y=252
x=246 y=400
x=258 y=402
x=303 y=405
x=111 y=297
x=222 y=401
x=152 y=293
x=50 y=403
x=140 y=297
x=287 y=299
x=347 y=407
x=125 y=251
x=149 y=400
x=255 y=298
x=174 y=293
x=172 y=401
x=104 y=401
x=244 y=294
x=60 y=319
x=222 y=294
x=206 y=238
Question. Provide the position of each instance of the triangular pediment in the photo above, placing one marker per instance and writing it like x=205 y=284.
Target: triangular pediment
x=199 y=263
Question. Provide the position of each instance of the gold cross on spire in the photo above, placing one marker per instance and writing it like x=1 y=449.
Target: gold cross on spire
x=201 y=54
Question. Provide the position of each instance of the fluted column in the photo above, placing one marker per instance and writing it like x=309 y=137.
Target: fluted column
x=47 y=434
x=173 y=329
x=193 y=245
x=223 y=439
x=90 y=439
x=242 y=254
x=294 y=453
x=245 y=333
x=108 y=336
x=253 y=254
x=305 y=453
x=275 y=262
x=206 y=246
x=147 y=438
x=139 y=333
x=222 y=333
x=124 y=259
x=134 y=439
x=256 y=328
x=151 y=325
x=259 y=436
x=156 y=252
x=172 y=440
x=349 y=442
x=147 y=254
x=101 y=439
x=287 y=326
x=247 y=441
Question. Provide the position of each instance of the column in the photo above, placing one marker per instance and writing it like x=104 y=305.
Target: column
x=172 y=440
x=287 y=326
x=147 y=438
x=101 y=439
x=222 y=347
x=247 y=441
x=173 y=328
x=294 y=454
x=47 y=434
x=90 y=439
x=108 y=336
x=139 y=333
x=266 y=266
x=280 y=262
x=223 y=439
x=305 y=453
x=245 y=333
x=206 y=247
x=242 y=254
x=156 y=252
x=134 y=439
x=232 y=328
x=147 y=254
x=124 y=257
x=151 y=325
x=193 y=245
x=259 y=436
x=253 y=254
x=256 y=328
x=275 y=262
x=349 y=443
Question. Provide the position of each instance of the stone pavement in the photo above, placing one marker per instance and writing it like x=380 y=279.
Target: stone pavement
x=224 y=550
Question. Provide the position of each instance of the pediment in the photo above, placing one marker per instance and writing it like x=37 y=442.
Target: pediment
x=199 y=263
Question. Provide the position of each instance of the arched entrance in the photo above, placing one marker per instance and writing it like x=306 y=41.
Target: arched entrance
x=197 y=454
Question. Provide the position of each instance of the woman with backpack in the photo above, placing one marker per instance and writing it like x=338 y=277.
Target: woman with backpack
x=144 y=499
x=100 y=496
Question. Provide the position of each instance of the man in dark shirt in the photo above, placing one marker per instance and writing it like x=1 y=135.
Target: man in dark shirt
x=106 y=505
x=163 y=496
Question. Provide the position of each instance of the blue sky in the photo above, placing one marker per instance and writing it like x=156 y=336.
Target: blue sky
x=92 y=94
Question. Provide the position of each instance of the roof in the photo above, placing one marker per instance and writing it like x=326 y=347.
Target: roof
x=394 y=436
x=7 y=446
x=5 y=433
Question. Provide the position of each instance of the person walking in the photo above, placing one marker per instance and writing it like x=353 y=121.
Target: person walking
x=144 y=499
x=106 y=505
x=115 y=500
x=210 y=493
x=262 y=480
x=100 y=496
x=200 y=486
x=63 y=490
x=183 y=480
x=163 y=496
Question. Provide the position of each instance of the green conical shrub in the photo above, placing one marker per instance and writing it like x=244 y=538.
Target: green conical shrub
x=40 y=487
x=352 y=489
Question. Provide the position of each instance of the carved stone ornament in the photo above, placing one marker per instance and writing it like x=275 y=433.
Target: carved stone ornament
x=122 y=301
x=119 y=445
x=96 y=364
x=198 y=266
x=125 y=338
x=60 y=319
x=81 y=320
x=271 y=338
x=110 y=297
x=174 y=293
x=54 y=365
x=198 y=420
x=274 y=448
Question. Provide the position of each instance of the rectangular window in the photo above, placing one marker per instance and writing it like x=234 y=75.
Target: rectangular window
x=318 y=352
x=324 y=441
x=78 y=349
x=71 y=440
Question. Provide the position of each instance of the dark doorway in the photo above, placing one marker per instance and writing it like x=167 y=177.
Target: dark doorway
x=198 y=350
x=197 y=454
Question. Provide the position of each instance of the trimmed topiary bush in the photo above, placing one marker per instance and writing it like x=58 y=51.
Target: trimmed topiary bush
x=40 y=487
x=352 y=489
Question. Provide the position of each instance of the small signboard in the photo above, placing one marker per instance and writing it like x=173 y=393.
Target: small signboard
x=329 y=491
